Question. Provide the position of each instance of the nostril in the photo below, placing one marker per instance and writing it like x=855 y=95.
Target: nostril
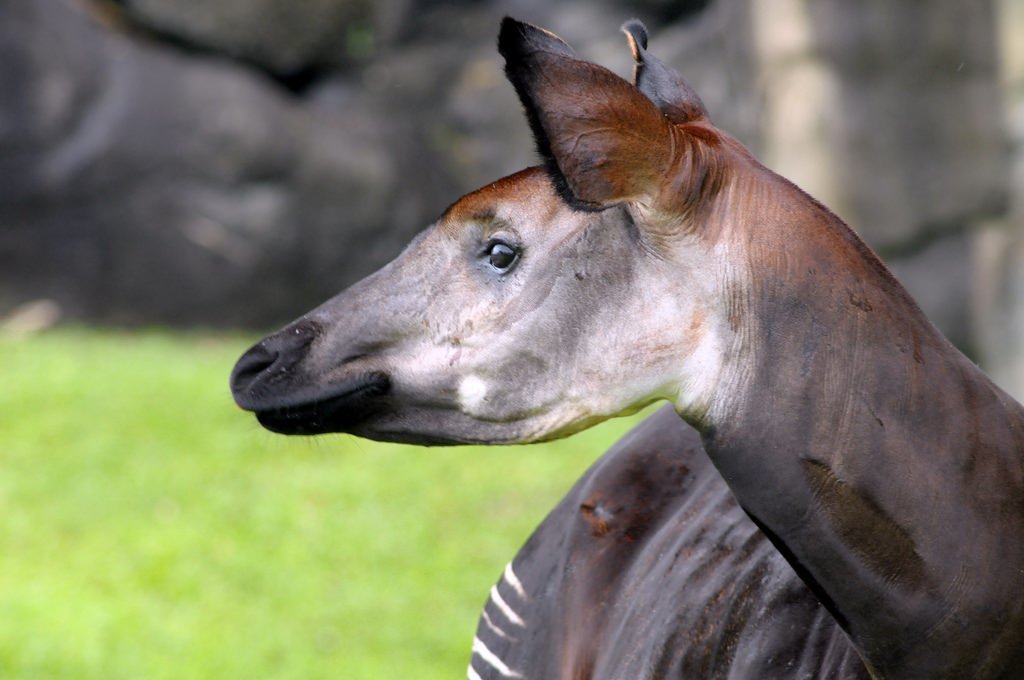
x=250 y=366
x=269 y=360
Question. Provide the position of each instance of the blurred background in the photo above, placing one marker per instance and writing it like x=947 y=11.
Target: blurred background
x=214 y=168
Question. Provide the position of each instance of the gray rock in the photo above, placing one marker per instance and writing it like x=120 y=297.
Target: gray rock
x=922 y=147
x=283 y=37
x=145 y=185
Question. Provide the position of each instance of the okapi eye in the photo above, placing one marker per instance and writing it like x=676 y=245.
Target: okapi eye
x=502 y=256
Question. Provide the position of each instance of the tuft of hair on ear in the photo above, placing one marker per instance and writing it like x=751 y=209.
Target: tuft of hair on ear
x=659 y=82
x=636 y=34
x=518 y=42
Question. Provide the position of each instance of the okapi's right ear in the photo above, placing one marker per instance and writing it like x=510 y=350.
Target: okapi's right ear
x=661 y=83
x=603 y=141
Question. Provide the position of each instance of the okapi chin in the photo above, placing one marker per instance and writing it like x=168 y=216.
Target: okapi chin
x=653 y=258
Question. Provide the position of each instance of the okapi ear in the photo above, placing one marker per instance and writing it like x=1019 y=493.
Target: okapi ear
x=662 y=84
x=602 y=140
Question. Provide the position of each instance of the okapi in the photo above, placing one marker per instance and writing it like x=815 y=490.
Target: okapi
x=653 y=258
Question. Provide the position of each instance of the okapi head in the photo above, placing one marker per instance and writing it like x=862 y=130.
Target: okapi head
x=542 y=303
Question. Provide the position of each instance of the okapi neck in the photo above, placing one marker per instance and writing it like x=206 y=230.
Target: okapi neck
x=883 y=464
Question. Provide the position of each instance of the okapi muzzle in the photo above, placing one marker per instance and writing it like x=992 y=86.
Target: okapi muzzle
x=268 y=380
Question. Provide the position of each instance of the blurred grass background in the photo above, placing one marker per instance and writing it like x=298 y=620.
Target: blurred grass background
x=150 y=529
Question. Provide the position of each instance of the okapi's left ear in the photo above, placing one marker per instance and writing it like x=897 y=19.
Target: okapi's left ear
x=606 y=140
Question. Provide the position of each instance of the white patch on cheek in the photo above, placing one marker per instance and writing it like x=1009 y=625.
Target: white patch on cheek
x=472 y=393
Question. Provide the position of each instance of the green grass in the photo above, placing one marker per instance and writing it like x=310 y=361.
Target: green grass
x=150 y=529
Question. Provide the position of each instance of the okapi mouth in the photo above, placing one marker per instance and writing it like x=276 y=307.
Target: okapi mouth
x=356 y=402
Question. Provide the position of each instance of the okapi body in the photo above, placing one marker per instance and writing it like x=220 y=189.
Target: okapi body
x=653 y=258
x=648 y=568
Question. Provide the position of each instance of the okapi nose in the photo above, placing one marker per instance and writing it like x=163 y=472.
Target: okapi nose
x=269 y=361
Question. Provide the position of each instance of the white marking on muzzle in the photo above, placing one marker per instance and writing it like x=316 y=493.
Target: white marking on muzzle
x=481 y=650
x=472 y=393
